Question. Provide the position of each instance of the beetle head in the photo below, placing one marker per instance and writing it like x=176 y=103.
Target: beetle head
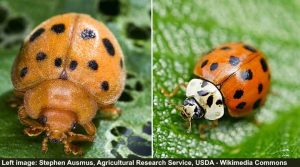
x=58 y=123
x=191 y=110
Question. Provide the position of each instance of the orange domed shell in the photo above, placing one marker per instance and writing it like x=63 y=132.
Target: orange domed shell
x=242 y=74
x=72 y=47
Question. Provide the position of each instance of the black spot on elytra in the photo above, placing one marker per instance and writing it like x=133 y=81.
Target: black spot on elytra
x=260 y=88
x=23 y=72
x=204 y=63
x=213 y=66
x=202 y=93
x=256 y=104
x=210 y=100
x=15 y=25
x=93 y=65
x=58 y=62
x=225 y=48
x=250 y=48
x=3 y=14
x=105 y=86
x=264 y=64
x=241 y=105
x=247 y=75
x=238 y=94
x=87 y=34
x=109 y=47
x=138 y=32
x=36 y=34
x=109 y=7
x=204 y=83
x=41 y=56
x=58 y=28
x=234 y=60
x=219 y=102
x=73 y=65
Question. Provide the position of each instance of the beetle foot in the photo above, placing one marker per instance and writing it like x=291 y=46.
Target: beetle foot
x=44 y=149
x=45 y=145
x=14 y=102
x=69 y=148
x=75 y=150
x=202 y=129
x=33 y=131
x=202 y=136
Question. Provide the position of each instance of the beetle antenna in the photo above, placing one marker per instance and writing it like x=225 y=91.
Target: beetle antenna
x=177 y=106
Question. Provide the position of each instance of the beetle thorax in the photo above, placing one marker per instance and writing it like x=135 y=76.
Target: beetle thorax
x=60 y=95
x=59 y=104
x=203 y=99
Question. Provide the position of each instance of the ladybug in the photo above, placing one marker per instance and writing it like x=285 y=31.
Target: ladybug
x=68 y=67
x=233 y=77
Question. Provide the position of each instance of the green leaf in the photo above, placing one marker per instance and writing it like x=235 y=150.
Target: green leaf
x=127 y=136
x=185 y=30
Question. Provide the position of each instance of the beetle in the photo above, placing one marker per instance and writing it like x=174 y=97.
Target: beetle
x=68 y=67
x=233 y=77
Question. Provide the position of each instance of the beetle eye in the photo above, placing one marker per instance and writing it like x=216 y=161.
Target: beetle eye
x=198 y=112
x=42 y=119
x=74 y=125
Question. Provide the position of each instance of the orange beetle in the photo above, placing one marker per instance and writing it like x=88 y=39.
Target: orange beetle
x=235 y=76
x=70 y=66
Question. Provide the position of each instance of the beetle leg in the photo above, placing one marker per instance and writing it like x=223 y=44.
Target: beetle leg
x=214 y=123
x=67 y=146
x=23 y=117
x=70 y=148
x=79 y=137
x=110 y=111
x=90 y=128
x=203 y=127
x=32 y=131
x=174 y=92
x=16 y=99
x=45 y=145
